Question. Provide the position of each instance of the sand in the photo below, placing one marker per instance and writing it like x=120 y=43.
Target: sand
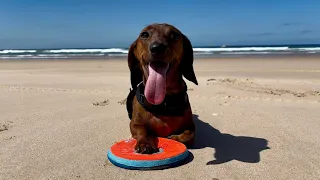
x=257 y=118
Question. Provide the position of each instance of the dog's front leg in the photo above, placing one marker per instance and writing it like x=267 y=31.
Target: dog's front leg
x=146 y=144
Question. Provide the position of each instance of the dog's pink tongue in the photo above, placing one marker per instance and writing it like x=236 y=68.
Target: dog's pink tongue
x=155 y=89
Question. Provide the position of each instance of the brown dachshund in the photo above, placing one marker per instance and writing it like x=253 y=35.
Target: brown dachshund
x=158 y=104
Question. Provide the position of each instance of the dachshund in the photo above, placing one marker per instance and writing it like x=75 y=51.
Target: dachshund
x=158 y=103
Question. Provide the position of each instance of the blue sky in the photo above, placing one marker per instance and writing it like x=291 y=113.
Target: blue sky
x=107 y=23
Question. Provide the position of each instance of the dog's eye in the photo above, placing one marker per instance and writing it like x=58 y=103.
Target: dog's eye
x=144 y=35
x=175 y=36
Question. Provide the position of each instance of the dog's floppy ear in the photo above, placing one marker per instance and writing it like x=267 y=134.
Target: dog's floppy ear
x=133 y=63
x=187 y=61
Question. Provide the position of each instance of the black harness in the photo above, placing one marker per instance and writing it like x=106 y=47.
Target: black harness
x=172 y=105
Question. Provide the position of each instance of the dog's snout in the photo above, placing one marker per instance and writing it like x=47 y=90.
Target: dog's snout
x=158 y=48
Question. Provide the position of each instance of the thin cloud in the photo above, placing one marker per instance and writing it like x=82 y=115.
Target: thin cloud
x=306 y=31
x=291 y=24
x=264 y=34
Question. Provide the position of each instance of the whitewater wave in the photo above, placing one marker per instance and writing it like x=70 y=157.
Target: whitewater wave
x=56 y=55
x=241 y=49
x=256 y=53
x=309 y=49
x=9 y=51
x=125 y=51
x=111 y=50
x=121 y=52
x=47 y=56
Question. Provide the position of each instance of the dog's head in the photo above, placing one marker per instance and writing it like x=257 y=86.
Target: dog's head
x=159 y=56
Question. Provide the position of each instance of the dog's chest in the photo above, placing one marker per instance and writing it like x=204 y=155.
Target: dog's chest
x=161 y=127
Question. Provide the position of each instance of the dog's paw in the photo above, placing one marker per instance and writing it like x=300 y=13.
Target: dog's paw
x=146 y=146
x=185 y=138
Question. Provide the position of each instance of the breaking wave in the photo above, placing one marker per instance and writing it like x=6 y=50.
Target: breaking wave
x=111 y=50
x=120 y=52
x=16 y=51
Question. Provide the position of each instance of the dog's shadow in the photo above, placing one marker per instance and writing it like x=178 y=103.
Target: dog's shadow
x=227 y=147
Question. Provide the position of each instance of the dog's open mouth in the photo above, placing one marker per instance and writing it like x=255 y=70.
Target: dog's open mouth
x=155 y=89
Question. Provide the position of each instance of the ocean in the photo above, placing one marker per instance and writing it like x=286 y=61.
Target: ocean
x=213 y=51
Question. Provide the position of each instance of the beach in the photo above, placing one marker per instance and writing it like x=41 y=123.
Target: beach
x=256 y=118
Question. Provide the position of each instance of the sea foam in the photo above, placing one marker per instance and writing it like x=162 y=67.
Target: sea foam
x=241 y=49
x=115 y=52
x=9 y=51
x=111 y=50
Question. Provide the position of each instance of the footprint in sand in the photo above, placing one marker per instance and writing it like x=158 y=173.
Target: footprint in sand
x=5 y=126
x=101 y=103
x=122 y=102
x=249 y=85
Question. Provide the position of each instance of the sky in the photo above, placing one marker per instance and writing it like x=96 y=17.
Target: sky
x=27 y=24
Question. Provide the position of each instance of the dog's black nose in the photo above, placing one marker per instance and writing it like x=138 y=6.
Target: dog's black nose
x=158 y=48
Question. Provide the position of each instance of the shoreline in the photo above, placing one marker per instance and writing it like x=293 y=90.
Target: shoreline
x=211 y=56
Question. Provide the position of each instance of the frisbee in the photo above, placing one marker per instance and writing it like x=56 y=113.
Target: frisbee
x=171 y=153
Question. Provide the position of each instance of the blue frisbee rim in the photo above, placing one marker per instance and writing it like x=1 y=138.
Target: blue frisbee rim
x=147 y=164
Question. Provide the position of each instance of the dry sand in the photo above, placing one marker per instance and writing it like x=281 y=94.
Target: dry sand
x=257 y=118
